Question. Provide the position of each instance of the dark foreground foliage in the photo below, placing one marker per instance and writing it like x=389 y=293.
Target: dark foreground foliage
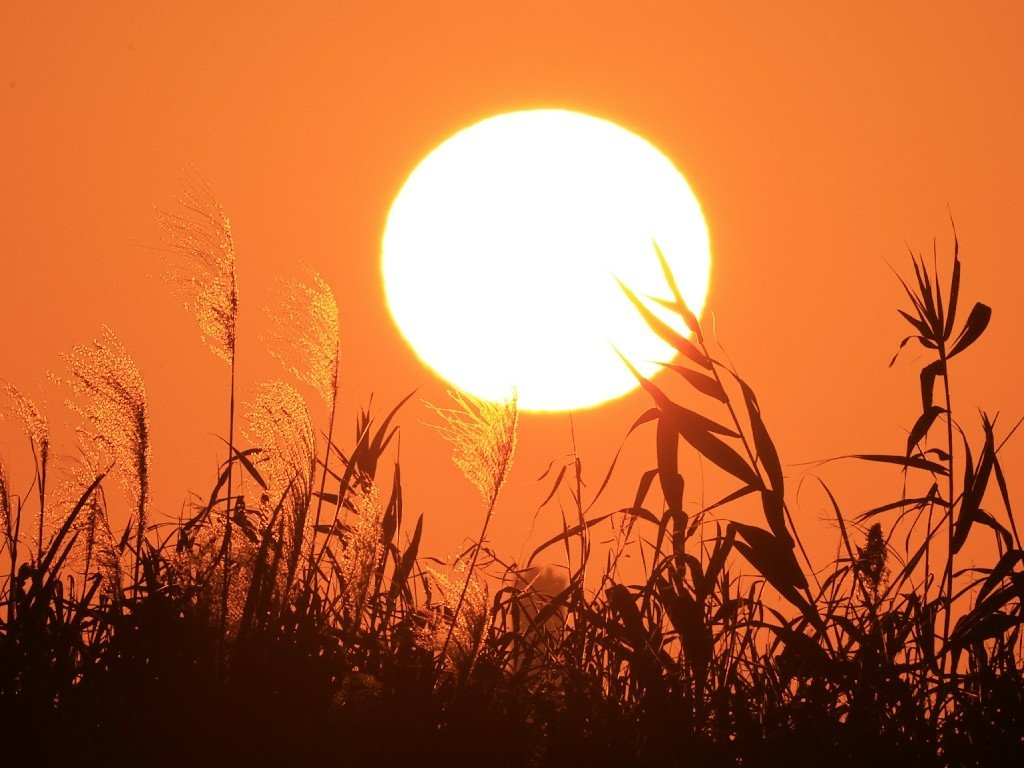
x=290 y=619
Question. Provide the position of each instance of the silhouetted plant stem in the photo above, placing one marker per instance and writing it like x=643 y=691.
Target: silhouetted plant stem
x=469 y=575
x=948 y=575
x=323 y=480
x=228 y=505
x=40 y=472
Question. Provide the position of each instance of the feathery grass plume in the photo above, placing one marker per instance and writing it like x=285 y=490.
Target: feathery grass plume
x=203 y=272
x=200 y=566
x=280 y=425
x=36 y=426
x=112 y=404
x=305 y=338
x=483 y=437
x=7 y=521
x=363 y=548
x=305 y=335
x=457 y=621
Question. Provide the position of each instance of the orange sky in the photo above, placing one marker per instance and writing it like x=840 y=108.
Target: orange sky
x=820 y=143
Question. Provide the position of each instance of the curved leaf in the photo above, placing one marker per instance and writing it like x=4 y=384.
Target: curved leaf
x=976 y=324
x=679 y=342
x=921 y=427
x=699 y=381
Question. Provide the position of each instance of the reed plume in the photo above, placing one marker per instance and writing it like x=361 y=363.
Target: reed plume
x=201 y=268
x=305 y=338
x=201 y=265
x=7 y=517
x=111 y=400
x=455 y=628
x=483 y=438
x=279 y=424
x=34 y=423
x=305 y=334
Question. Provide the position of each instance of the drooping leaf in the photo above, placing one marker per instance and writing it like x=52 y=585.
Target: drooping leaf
x=976 y=324
x=766 y=450
x=774 y=514
x=772 y=556
x=975 y=484
x=910 y=462
x=695 y=432
x=404 y=566
x=971 y=630
x=928 y=374
x=575 y=530
x=730 y=497
x=914 y=503
x=922 y=425
x=906 y=340
x=668 y=465
x=679 y=342
x=699 y=381
x=1002 y=569
x=921 y=327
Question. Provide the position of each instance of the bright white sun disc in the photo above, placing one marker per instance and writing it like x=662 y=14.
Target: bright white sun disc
x=501 y=251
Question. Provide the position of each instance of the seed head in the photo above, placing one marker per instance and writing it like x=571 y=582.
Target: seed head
x=111 y=400
x=871 y=557
x=201 y=265
x=279 y=424
x=305 y=334
x=470 y=622
x=33 y=422
x=483 y=438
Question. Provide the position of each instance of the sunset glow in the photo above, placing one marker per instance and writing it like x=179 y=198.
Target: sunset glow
x=502 y=248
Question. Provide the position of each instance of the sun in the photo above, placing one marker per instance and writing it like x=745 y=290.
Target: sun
x=502 y=249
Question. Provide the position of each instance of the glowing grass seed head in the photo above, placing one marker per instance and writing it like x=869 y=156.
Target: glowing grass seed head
x=6 y=518
x=32 y=420
x=483 y=438
x=111 y=400
x=201 y=265
x=304 y=334
x=470 y=621
x=280 y=425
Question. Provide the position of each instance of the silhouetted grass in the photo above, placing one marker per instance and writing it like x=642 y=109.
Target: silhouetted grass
x=296 y=622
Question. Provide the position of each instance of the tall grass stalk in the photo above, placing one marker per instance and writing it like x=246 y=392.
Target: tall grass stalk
x=483 y=437
x=202 y=270
x=37 y=428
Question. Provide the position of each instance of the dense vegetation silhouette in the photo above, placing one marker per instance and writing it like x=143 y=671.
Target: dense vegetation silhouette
x=291 y=619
